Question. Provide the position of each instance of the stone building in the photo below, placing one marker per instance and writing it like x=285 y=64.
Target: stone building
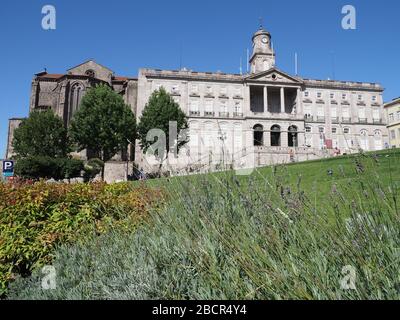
x=393 y=115
x=264 y=117
x=267 y=116
x=62 y=93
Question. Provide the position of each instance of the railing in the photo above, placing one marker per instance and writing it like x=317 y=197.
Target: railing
x=346 y=120
x=194 y=113
x=320 y=119
x=335 y=119
x=209 y=113
x=362 y=120
x=238 y=115
x=377 y=121
x=224 y=114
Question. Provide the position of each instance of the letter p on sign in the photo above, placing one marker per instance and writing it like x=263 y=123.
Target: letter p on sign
x=8 y=168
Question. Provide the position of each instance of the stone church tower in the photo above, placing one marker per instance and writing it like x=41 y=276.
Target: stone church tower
x=263 y=57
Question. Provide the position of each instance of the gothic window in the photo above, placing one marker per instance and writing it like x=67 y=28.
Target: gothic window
x=75 y=97
x=275 y=136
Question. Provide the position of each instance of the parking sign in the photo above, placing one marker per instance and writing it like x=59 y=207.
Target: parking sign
x=8 y=168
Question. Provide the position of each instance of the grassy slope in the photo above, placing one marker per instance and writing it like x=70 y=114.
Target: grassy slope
x=270 y=235
x=312 y=176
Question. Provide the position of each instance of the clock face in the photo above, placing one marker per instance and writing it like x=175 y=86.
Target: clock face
x=264 y=40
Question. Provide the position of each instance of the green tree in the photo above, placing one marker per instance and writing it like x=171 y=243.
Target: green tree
x=41 y=134
x=104 y=124
x=160 y=110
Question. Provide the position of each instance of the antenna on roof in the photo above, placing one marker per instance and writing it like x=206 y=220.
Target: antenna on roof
x=240 y=66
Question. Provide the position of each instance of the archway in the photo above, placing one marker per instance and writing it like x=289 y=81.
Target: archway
x=258 y=138
x=292 y=137
x=275 y=136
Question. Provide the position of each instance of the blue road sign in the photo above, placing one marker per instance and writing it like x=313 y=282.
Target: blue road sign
x=8 y=168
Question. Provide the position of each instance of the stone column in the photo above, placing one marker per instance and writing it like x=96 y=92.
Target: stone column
x=282 y=100
x=299 y=109
x=265 y=99
x=246 y=107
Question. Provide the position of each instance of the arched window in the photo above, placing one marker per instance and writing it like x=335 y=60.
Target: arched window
x=364 y=139
x=258 y=135
x=292 y=136
x=76 y=93
x=275 y=136
x=378 y=140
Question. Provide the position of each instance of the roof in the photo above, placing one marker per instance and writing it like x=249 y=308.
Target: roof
x=51 y=76
x=391 y=103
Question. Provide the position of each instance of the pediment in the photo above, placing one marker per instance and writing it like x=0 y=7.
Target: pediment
x=275 y=75
x=92 y=67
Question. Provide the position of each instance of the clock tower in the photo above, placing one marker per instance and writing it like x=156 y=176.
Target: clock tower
x=263 y=57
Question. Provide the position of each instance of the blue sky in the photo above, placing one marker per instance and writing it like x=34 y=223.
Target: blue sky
x=201 y=35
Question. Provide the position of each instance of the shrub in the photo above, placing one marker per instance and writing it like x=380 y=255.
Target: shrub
x=45 y=167
x=34 y=218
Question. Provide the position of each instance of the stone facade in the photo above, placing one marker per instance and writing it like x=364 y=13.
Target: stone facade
x=393 y=115
x=267 y=116
x=261 y=118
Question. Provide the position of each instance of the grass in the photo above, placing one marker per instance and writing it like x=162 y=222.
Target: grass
x=285 y=232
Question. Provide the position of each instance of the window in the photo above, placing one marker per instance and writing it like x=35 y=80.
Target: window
x=209 y=90
x=292 y=136
x=238 y=91
x=209 y=106
x=398 y=115
x=361 y=113
x=306 y=94
x=344 y=96
x=319 y=95
x=194 y=106
x=333 y=112
x=321 y=129
x=195 y=88
x=391 y=116
x=334 y=130
x=376 y=114
x=346 y=130
x=175 y=88
x=332 y=96
x=223 y=91
x=223 y=107
x=374 y=98
x=320 y=112
x=359 y=97
x=237 y=109
x=392 y=134
x=258 y=135
x=346 y=112
x=308 y=129
x=275 y=136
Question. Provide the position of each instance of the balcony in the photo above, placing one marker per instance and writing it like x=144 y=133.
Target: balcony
x=194 y=113
x=238 y=115
x=362 y=120
x=320 y=119
x=224 y=114
x=377 y=121
x=335 y=119
x=209 y=113
x=346 y=120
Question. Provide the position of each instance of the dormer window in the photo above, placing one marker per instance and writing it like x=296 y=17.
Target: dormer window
x=90 y=73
